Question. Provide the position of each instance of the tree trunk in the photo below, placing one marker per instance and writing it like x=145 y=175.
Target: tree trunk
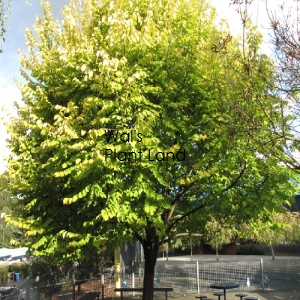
x=167 y=251
x=217 y=251
x=272 y=250
x=151 y=247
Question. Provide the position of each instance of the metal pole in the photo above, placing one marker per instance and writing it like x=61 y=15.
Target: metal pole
x=133 y=284
x=102 y=286
x=117 y=269
x=73 y=277
x=262 y=274
x=198 y=281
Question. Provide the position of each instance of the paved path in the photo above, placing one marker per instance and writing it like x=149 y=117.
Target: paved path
x=267 y=295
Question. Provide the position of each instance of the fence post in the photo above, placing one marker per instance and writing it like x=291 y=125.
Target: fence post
x=38 y=285
x=133 y=283
x=117 y=274
x=102 y=285
x=73 y=281
x=262 y=274
x=198 y=283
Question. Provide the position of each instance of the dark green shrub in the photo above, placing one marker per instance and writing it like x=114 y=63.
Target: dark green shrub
x=3 y=273
x=21 y=267
x=251 y=249
x=40 y=266
x=50 y=279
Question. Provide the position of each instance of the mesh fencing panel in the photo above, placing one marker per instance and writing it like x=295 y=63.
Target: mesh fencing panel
x=183 y=277
x=280 y=274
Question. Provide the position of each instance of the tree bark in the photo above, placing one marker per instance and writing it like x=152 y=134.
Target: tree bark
x=272 y=250
x=151 y=247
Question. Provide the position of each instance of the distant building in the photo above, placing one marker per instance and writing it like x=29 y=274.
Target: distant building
x=10 y=256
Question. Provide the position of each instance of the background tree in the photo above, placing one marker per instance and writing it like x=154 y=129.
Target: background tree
x=284 y=23
x=219 y=234
x=108 y=93
x=282 y=227
x=4 y=20
x=182 y=241
x=4 y=9
x=286 y=41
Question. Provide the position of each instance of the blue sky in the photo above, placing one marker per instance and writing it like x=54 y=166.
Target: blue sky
x=23 y=16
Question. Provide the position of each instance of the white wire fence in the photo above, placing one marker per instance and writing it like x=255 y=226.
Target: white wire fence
x=193 y=277
x=184 y=277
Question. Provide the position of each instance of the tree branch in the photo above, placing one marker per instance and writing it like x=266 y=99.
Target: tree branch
x=233 y=183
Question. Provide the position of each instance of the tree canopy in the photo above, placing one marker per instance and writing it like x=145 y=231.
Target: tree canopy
x=139 y=116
